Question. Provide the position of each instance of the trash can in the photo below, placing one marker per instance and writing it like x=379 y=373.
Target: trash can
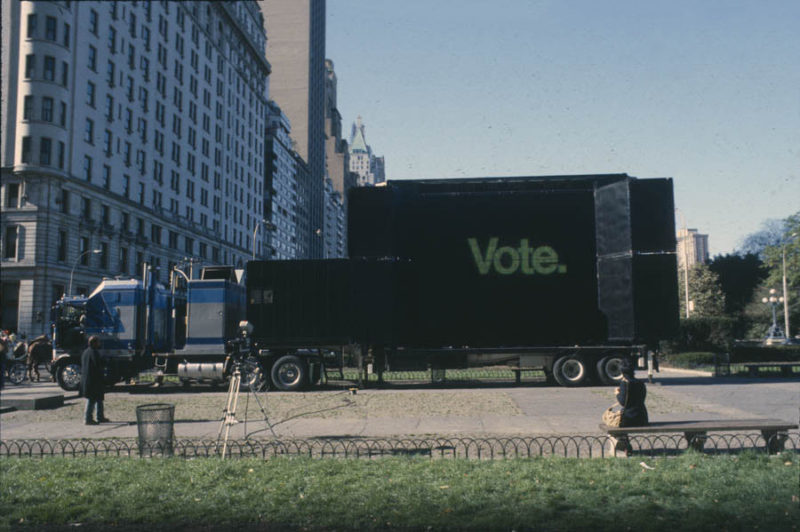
x=156 y=429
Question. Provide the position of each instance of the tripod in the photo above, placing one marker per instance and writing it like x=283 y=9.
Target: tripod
x=229 y=412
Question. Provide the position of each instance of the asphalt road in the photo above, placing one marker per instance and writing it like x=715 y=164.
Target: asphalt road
x=482 y=410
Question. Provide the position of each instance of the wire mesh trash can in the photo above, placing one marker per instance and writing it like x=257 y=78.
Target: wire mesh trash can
x=156 y=429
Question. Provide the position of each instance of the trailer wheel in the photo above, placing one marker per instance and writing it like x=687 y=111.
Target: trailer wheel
x=68 y=376
x=253 y=376
x=609 y=369
x=17 y=373
x=570 y=371
x=289 y=373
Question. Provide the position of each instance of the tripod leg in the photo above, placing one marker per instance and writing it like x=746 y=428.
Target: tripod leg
x=229 y=414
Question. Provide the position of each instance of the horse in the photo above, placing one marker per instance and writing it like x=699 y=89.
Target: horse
x=39 y=352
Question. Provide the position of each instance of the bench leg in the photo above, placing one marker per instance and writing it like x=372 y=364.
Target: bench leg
x=696 y=440
x=619 y=446
x=775 y=440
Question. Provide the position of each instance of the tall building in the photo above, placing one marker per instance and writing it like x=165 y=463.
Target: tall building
x=281 y=189
x=132 y=133
x=333 y=235
x=337 y=152
x=368 y=168
x=692 y=248
x=296 y=51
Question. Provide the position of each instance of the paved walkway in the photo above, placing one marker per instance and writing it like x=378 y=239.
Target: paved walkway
x=544 y=411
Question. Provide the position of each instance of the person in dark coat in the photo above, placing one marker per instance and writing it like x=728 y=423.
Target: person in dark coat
x=631 y=395
x=92 y=385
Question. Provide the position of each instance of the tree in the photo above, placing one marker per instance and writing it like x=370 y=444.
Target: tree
x=770 y=234
x=788 y=246
x=705 y=294
x=739 y=276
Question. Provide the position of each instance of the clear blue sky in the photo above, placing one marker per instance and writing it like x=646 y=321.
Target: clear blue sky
x=704 y=91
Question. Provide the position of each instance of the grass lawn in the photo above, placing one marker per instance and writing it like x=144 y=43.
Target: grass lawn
x=693 y=492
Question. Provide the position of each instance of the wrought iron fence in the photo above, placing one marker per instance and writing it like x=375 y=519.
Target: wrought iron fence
x=433 y=448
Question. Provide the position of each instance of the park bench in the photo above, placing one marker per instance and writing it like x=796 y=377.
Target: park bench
x=774 y=431
x=785 y=367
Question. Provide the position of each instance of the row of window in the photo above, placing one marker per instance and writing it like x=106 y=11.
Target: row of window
x=50 y=29
x=48 y=72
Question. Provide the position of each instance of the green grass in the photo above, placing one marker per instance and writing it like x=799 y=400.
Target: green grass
x=692 y=492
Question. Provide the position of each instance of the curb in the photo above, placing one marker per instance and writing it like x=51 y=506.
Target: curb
x=686 y=371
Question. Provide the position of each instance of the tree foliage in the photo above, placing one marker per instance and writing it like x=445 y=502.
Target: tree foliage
x=705 y=294
x=770 y=234
x=739 y=276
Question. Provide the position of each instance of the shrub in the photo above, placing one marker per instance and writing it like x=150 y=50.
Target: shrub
x=704 y=334
x=689 y=360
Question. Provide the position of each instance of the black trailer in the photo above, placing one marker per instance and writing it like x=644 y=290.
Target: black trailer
x=565 y=273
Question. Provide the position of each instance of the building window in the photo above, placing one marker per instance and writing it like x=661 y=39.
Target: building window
x=90 y=90
x=45 y=148
x=61 y=254
x=64 y=73
x=87 y=168
x=10 y=237
x=49 y=68
x=32 y=26
x=107 y=141
x=86 y=208
x=61 y=153
x=110 y=74
x=93 y=21
x=12 y=195
x=126 y=154
x=66 y=35
x=27 y=109
x=92 y=58
x=89 y=132
x=112 y=39
x=84 y=248
x=155 y=234
x=126 y=186
x=50 y=28
x=26 y=149
x=63 y=118
x=47 y=109
x=189 y=246
x=30 y=66
x=123 y=260
x=64 y=201
x=104 y=255
x=106 y=177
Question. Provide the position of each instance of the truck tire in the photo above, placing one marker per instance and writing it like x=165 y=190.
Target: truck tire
x=253 y=375
x=68 y=376
x=570 y=370
x=289 y=373
x=609 y=369
x=17 y=372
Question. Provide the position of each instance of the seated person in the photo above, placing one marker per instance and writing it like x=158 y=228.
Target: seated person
x=631 y=395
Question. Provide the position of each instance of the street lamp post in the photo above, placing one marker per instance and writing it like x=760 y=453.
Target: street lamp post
x=75 y=265
x=785 y=291
x=774 y=332
x=684 y=239
x=269 y=227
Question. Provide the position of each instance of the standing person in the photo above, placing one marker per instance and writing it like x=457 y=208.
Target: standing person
x=92 y=385
x=631 y=395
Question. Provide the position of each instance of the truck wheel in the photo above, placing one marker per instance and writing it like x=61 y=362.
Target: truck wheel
x=289 y=373
x=609 y=369
x=68 y=376
x=17 y=373
x=570 y=371
x=253 y=376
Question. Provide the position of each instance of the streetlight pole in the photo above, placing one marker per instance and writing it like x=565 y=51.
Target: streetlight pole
x=95 y=251
x=785 y=291
x=269 y=227
x=684 y=238
x=774 y=332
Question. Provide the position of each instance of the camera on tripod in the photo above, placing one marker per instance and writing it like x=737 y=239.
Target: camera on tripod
x=239 y=348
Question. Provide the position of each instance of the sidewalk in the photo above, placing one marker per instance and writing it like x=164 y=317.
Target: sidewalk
x=540 y=410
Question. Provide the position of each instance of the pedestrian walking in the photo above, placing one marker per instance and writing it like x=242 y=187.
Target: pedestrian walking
x=92 y=385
